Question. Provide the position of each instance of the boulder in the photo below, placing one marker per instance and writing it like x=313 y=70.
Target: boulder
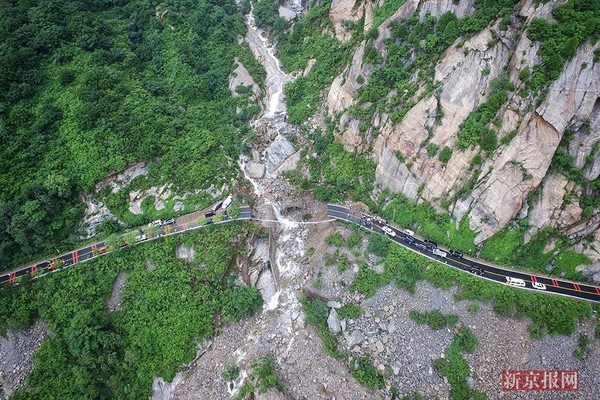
x=278 y=152
x=333 y=322
x=255 y=170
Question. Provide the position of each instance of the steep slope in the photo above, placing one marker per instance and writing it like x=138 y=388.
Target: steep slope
x=488 y=111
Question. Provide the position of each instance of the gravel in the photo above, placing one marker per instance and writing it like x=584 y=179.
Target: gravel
x=16 y=352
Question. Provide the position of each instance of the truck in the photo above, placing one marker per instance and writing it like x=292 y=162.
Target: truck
x=227 y=201
x=439 y=252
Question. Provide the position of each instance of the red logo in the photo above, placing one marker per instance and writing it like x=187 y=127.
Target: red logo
x=540 y=380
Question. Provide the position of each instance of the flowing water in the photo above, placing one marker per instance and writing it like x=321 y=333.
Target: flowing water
x=288 y=233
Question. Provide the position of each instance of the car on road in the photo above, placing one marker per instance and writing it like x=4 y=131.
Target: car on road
x=420 y=246
x=408 y=239
x=456 y=254
x=476 y=271
x=140 y=238
x=538 y=285
x=156 y=223
x=439 y=252
x=169 y=221
x=409 y=232
x=431 y=245
x=515 y=281
x=209 y=214
x=388 y=231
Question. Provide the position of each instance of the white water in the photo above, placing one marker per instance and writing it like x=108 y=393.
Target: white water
x=276 y=78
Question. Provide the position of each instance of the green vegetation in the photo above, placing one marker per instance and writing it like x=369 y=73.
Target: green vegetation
x=474 y=308
x=507 y=247
x=433 y=319
x=423 y=218
x=335 y=239
x=445 y=154
x=316 y=314
x=576 y=21
x=350 y=310
x=564 y=163
x=414 y=48
x=550 y=314
x=89 y=87
x=386 y=10
x=455 y=367
x=263 y=377
x=230 y=372
x=583 y=349
x=336 y=174
x=263 y=372
x=304 y=42
x=266 y=14
x=365 y=373
x=378 y=245
x=474 y=129
x=168 y=306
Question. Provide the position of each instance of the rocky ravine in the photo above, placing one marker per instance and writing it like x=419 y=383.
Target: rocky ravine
x=280 y=330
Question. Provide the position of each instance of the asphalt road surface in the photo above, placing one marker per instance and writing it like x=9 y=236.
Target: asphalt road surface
x=99 y=248
x=476 y=267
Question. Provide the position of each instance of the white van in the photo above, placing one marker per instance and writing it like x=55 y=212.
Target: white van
x=515 y=281
x=408 y=232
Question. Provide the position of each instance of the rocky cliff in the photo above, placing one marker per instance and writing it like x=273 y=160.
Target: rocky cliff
x=489 y=193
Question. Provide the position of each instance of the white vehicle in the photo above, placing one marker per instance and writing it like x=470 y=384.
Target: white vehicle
x=515 y=281
x=439 y=252
x=227 y=201
x=409 y=232
x=140 y=238
x=156 y=223
x=538 y=285
x=388 y=231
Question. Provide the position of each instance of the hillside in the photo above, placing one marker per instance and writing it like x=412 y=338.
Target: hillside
x=89 y=88
x=485 y=114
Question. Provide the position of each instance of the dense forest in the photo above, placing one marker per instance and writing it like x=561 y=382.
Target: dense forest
x=167 y=307
x=90 y=86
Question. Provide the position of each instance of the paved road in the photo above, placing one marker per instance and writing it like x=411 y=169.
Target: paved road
x=99 y=248
x=478 y=268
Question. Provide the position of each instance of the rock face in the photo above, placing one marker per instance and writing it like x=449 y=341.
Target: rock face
x=464 y=74
x=240 y=76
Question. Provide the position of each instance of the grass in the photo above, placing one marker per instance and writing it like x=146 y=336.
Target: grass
x=433 y=319
x=350 y=310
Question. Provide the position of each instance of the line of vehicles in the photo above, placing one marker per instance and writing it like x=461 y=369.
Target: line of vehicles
x=429 y=245
x=171 y=221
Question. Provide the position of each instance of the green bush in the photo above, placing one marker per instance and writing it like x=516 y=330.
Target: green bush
x=432 y=149
x=365 y=373
x=230 y=372
x=434 y=319
x=378 y=245
x=350 y=310
x=445 y=154
x=335 y=239
x=576 y=21
x=263 y=373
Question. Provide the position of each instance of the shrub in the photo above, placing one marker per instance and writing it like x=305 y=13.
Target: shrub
x=445 y=154
x=365 y=373
x=378 y=245
x=432 y=149
x=350 y=310
x=263 y=372
x=230 y=372
x=434 y=319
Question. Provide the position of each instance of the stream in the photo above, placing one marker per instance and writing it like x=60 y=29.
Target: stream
x=272 y=126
